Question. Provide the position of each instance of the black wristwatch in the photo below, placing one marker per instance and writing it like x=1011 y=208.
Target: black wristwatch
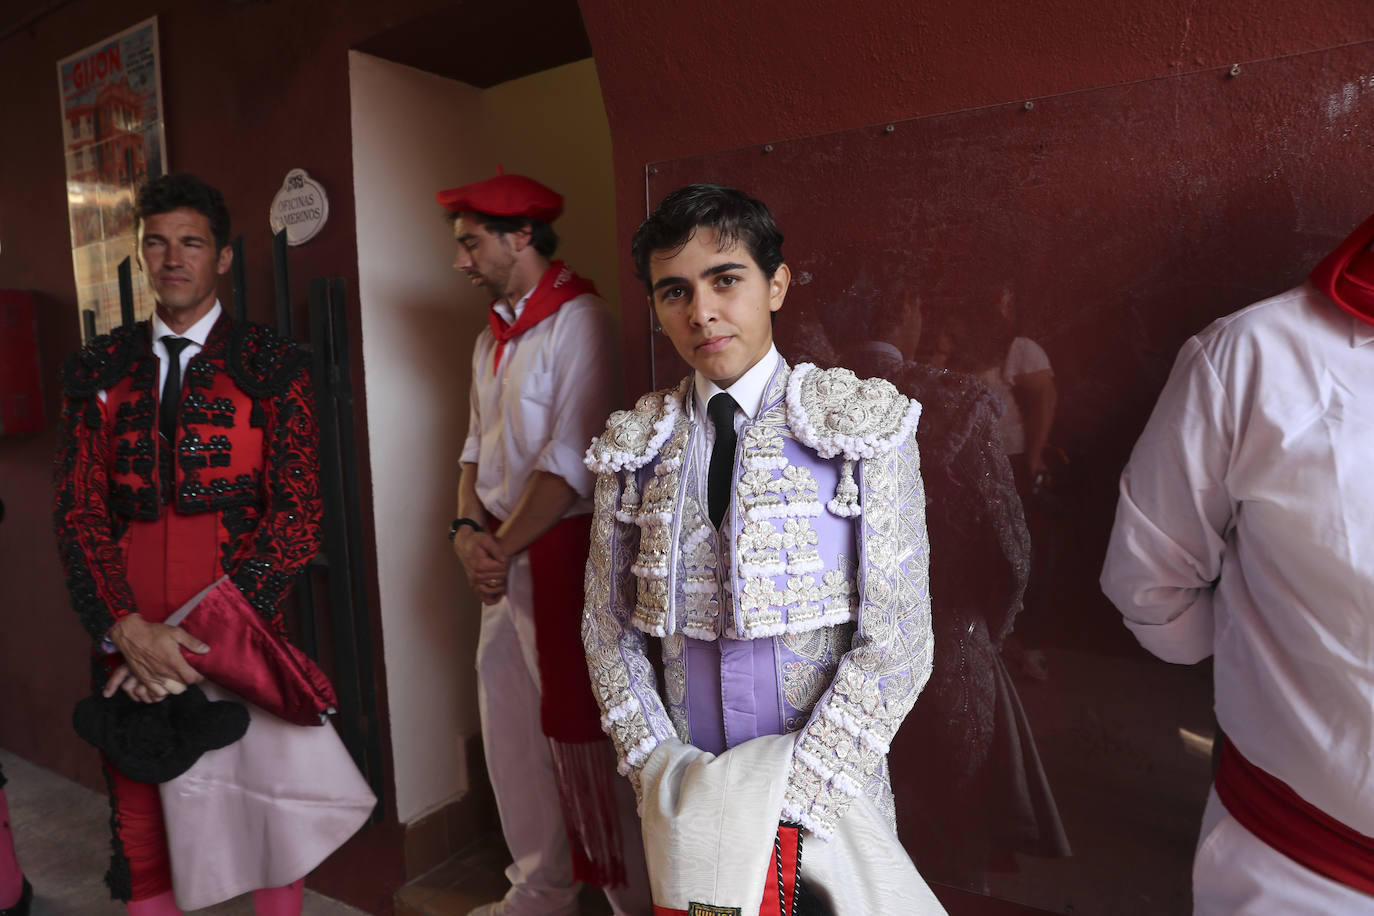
x=462 y=523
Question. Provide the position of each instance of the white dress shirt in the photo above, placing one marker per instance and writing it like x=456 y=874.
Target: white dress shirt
x=197 y=334
x=555 y=386
x=1245 y=530
x=747 y=392
x=1024 y=356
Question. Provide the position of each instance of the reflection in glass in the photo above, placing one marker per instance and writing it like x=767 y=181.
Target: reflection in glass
x=1122 y=220
x=970 y=788
x=103 y=178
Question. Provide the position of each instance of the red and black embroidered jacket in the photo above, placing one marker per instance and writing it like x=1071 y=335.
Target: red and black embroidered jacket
x=246 y=449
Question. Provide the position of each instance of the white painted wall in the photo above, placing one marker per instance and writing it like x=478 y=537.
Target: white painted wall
x=413 y=134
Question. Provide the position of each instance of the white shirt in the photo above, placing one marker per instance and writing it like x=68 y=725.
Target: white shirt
x=197 y=334
x=1024 y=356
x=555 y=386
x=1245 y=530
x=747 y=391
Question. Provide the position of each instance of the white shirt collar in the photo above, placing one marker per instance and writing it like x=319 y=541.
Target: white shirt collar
x=748 y=388
x=197 y=333
x=512 y=314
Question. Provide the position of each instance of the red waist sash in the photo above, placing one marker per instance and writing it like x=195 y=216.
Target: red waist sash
x=1267 y=807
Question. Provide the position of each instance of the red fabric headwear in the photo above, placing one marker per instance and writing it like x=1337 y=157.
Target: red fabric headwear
x=504 y=195
x=1346 y=275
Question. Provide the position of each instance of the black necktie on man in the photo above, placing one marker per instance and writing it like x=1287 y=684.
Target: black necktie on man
x=171 y=388
x=718 y=479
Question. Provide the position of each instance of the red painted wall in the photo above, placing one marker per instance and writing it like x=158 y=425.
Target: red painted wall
x=687 y=78
x=250 y=91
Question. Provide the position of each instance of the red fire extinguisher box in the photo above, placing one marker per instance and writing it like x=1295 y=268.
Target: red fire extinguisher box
x=21 y=384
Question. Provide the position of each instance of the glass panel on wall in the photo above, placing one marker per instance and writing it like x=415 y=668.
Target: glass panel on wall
x=113 y=142
x=1051 y=255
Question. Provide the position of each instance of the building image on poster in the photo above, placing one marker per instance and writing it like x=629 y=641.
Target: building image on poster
x=113 y=140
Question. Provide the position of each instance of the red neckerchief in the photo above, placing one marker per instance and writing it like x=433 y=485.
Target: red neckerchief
x=1346 y=275
x=559 y=284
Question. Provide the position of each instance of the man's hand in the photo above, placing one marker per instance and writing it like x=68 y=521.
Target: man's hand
x=152 y=652
x=123 y=679
x=485 y=563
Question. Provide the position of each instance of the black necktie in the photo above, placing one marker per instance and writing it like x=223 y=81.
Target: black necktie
x=171 y=389
x=722 y=413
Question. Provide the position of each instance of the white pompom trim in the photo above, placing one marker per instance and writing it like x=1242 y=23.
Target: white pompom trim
x=844 y=510
x=657 y=629
x=851 y=725
x=852 y=447
x=635 y=756
x=693 y=540
x=790 y=628
x=799 y=509
x=699 y=633
x=618 y=712
x=609 y=462
x=847 y=785
x=796 y=815
x=649 y=572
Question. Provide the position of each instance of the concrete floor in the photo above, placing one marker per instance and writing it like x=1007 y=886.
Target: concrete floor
x=62 y=832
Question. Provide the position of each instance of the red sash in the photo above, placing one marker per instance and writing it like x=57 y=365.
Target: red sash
x=559 y=284
x=558 y=563
x=1346 y=275
x=1272 y=811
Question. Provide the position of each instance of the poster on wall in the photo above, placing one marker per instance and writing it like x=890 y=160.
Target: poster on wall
x=113 y=141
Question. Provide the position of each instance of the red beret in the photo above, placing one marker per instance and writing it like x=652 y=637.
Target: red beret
x=504 y=195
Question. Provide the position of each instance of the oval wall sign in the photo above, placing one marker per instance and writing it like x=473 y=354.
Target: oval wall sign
x=300 y=208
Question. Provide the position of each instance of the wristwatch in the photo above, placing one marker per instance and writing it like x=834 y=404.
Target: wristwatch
x=462 y=523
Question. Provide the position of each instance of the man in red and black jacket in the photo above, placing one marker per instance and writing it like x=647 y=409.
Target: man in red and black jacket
x=188 y=453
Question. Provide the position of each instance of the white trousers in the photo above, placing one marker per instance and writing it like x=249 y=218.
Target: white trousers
x=1235 y=873
x=521 y=771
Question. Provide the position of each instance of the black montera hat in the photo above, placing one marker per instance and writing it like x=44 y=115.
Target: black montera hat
x=155 y=742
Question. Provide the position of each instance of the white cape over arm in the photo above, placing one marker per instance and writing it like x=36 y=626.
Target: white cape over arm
x=709 y=824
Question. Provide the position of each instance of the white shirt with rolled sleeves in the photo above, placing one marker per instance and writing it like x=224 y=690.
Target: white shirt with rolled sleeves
x=1245 y=530
x=540 y=409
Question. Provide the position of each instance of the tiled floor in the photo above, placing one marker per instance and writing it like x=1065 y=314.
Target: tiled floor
x=62 y=833
x=471 y=878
